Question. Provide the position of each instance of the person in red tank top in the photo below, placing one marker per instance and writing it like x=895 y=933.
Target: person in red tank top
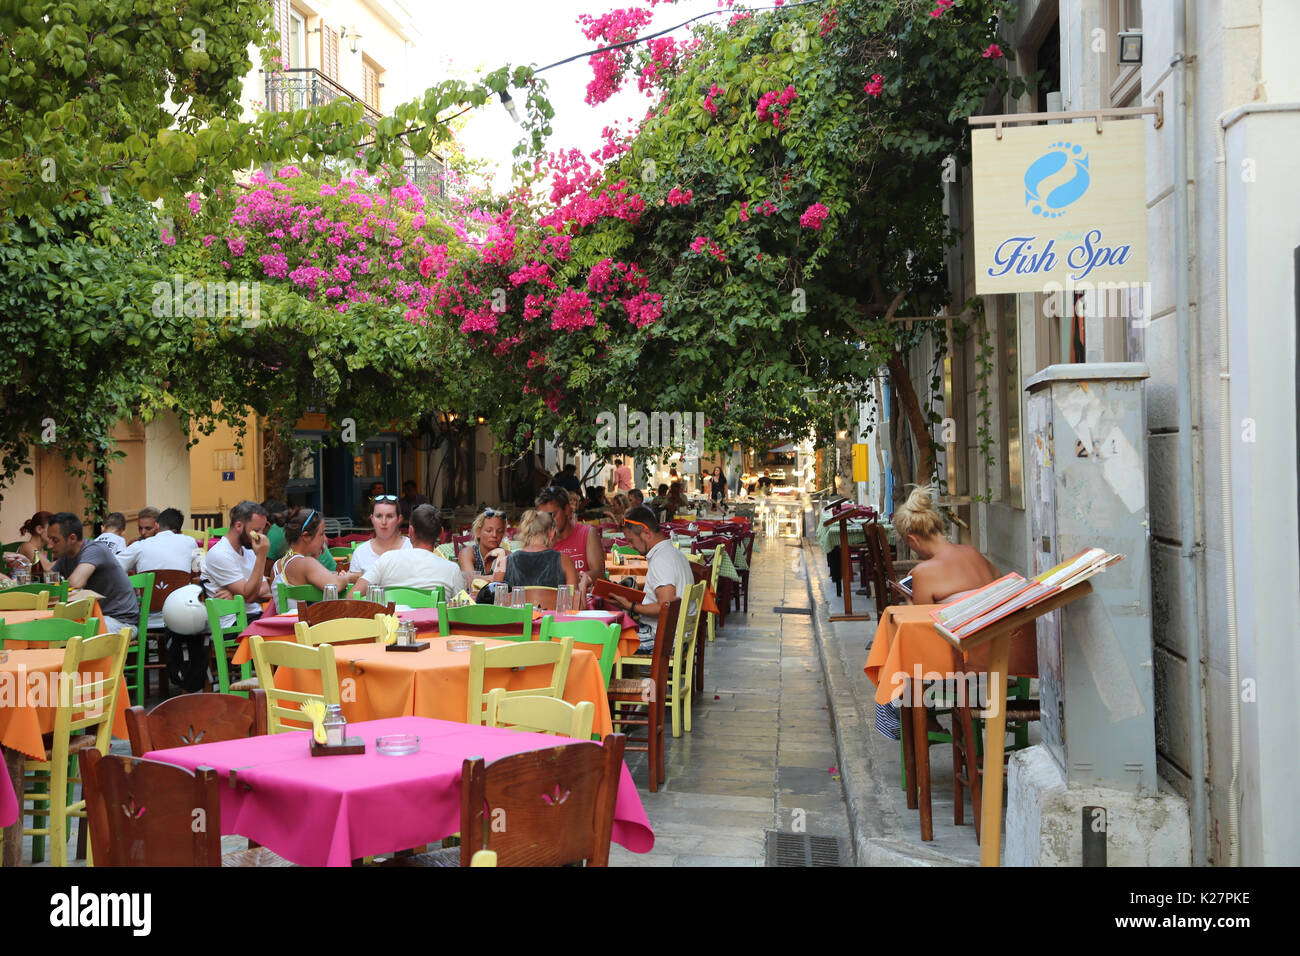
x=581 y=542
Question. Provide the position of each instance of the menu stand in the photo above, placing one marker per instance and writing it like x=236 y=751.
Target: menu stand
x=846 y=565
x=998 y=635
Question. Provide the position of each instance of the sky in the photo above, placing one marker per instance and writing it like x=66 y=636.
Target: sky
x=462 y=37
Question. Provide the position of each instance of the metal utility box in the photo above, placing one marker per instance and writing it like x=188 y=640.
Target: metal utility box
x=1088 y=488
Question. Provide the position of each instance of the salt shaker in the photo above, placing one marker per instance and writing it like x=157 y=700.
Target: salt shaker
x=335 y=726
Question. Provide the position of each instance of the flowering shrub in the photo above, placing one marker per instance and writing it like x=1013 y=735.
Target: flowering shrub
x=814 y=216
x=774 y=105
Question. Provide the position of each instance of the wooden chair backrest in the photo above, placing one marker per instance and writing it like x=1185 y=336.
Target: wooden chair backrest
x=415 y=597
x=24 y=601
x=52 y=631
x=283 y=705
x=73 y=610
x=505 y=623
x=592 y=633
x=541 y=715
x=559 y=801
x=143 y=812
x=882 y=570
x=88 y=702
x=333 y=610
x=662 y=657
x=196 y=719
x=164 y=583
x=343 y=630
x=524 y=654
x=541 y=597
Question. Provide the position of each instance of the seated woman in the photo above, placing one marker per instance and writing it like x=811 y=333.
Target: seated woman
x=676 y=500
x=35 y=550
x=535 y=563
x=618 y=506
x=386 y=519
x=486 y=556
x=304 y=532
x=947 y=571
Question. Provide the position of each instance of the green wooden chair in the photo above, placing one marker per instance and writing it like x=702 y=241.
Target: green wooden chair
x=627 y=549
x=344 y=552
x=296 y=592
x=58 y=592
x=142 y=584
x=223 y=639
x=52 y=631
x=414 y=597
x=216 y=533
x=596 y=633
x=12 y=546
x=487 y=616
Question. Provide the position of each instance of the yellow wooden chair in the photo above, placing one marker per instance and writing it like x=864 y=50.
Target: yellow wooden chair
x=343 y=630
x=484 y=858
x=73 y=610
x=25 y=601
x=681 y=675
x=557 y=654
x=711 y=627
x=86 y=707
x=284 y=705
x=541 y=715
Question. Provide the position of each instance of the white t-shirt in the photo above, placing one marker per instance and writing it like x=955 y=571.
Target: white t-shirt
x=165 y=551
x=415 y=568
x=364 y=557
x=116 y=543
x=667 y=565
x=224 y=565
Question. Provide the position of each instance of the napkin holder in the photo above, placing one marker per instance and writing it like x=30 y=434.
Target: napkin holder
x=417 y=646
x=351 y=745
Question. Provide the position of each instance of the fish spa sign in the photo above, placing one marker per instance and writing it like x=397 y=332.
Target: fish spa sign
x=1057 y=206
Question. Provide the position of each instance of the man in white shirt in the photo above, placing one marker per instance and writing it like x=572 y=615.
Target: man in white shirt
x=418 y=566
x=236 y=565
x=668 y=570
x=168 y=550
x=114 y=525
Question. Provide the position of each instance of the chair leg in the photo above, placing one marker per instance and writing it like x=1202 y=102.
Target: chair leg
x=972 y=764
x=58 y=814
x=958 y=747
x=688 y=695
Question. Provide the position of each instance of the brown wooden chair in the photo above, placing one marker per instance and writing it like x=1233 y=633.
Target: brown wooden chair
x=651 y=692
x=885 y=570
x=196 y=719
x=165 y=582
x=700 y=572
x=557 y=804
x=146 y=813
x=323 y=611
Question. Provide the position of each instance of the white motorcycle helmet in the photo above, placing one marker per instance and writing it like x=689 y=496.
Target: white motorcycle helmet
x=183 y=611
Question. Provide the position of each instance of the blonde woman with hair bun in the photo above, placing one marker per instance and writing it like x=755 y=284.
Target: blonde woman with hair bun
x=947 y=571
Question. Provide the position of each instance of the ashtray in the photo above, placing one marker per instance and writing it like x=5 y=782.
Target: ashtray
x=459 y=644
x=397 y=745
x=4 y=656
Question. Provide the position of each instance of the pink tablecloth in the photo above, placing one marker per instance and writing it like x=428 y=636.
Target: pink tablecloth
x=329 y=811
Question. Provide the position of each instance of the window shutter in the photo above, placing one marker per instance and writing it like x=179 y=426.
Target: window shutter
x=371 y=86
x=329 y=51
x=280 y=20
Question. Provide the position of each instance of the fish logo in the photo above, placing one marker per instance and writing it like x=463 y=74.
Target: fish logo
x=1058 y=157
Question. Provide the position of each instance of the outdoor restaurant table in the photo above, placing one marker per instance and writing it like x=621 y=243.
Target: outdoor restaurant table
x=375 y=683
x=279 y=627
x=906 y=644
x=21 y=617
x=27 y=710
x=329 y=811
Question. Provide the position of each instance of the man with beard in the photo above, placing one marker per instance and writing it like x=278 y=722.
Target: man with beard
x=236 y=565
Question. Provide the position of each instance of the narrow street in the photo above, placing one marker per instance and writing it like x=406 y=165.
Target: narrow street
x=761 y=754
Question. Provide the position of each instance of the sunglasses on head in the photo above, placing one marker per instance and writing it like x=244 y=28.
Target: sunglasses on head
x=638 y=523
x=385 y=497
x=493 y=513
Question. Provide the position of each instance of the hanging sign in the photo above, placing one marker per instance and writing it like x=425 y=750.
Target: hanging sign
x=1059 y=207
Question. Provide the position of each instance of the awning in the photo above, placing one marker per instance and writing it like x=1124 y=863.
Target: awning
x=785 y=449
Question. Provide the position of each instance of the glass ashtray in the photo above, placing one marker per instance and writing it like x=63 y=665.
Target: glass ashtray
x=459 y=644
x=397 y=745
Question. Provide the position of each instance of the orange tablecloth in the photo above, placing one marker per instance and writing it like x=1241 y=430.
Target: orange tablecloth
x=906 y=644
x=21 y=617
x=628 y=640
x=28 y=702
x=635 y=568
x=375 y=683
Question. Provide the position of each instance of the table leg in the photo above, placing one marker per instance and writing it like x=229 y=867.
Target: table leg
x=995 y=738
x=921 y=742
x=909 y=755
x=12 y=853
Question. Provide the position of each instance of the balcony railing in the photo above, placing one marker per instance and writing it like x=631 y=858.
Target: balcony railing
x=297 y=89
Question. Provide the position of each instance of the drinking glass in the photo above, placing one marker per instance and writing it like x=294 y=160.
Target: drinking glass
x=330 y=592
x=53 y=577
x=500 y=594
x=518 y=597
x=563 y=599
x=22 y=576
x=376 y=593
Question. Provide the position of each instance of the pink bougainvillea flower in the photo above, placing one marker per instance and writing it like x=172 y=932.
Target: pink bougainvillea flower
x=993 y=52
x=814 y=216
x=876 y=86
x=677 y=197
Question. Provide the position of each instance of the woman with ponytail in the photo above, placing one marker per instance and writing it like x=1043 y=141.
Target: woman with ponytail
x=304 y=533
